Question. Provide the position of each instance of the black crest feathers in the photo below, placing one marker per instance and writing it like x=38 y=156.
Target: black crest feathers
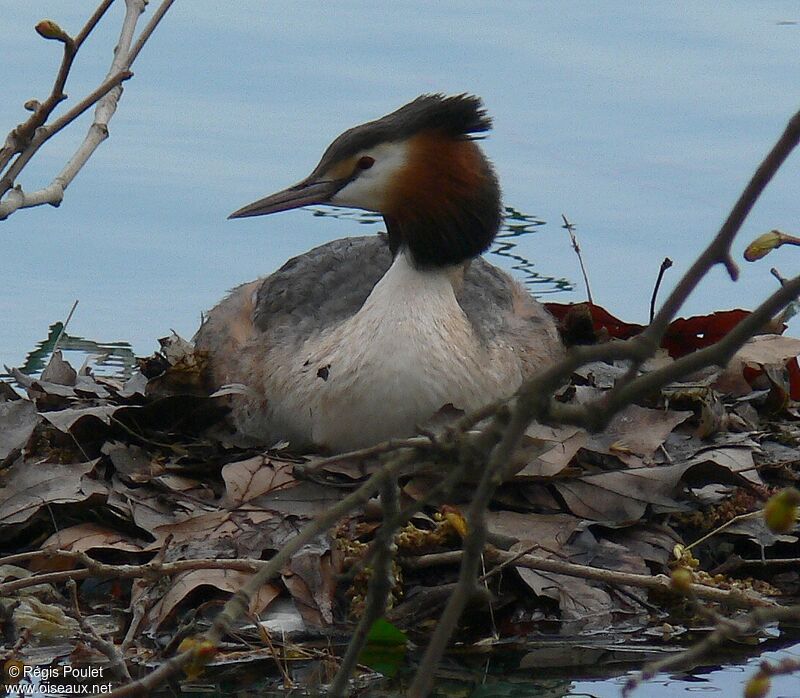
x=458 y=116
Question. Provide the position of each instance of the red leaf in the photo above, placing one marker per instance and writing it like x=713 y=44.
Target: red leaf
x=685 y=335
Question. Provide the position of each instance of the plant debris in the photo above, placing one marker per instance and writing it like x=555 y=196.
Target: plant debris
x=140 y=493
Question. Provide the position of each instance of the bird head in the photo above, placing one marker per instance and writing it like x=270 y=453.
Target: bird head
x=419 y=167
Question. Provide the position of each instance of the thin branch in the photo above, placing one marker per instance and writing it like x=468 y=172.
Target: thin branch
x=570 y=228
x=474 y=544
x=719 y=249
x=597 y=414
x=237 y=606
x=63 y=328
x=380 y=586
x=666 y=264
x=149 y=570
x=732 y=598
x=105 y=96
x=729 y=630
x=21 y=135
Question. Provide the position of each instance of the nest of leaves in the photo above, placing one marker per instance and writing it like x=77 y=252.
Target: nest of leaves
x=140 y=493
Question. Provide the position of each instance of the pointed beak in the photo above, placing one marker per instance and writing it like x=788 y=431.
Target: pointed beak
x=304 y=193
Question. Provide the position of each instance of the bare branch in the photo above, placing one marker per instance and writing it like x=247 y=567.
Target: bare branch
x=718 y=250
x=659 y=582
x=730 y=629
x=380 y=587
x=105 y=96
x=666 y=264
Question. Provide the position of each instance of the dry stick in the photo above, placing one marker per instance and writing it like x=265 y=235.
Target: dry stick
x=20 y=135
x=511 y=427
x=722 y=527
x=148 y=570
x=63 y=328
x=106 y=96
x=597 y=414
x=90 y=636
x=419 y=442
x=777 y=275
x=570 y=228
x=730 y=629
x=380 y=586
x=718 y=251
x=666 y=264
x=431 y=498
x=729 y=597
x=237 y=605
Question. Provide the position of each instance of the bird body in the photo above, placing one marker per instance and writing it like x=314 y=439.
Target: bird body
x=364 y=339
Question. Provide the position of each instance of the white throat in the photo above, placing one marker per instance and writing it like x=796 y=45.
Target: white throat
x=409 y=351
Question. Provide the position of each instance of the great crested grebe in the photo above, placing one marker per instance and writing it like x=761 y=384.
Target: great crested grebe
x=364 y=338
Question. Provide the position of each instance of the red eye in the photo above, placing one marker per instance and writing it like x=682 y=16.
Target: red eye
x=365 y=162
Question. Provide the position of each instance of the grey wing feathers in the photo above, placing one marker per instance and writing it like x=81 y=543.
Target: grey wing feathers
x=330 y=283
x=321 y=287
x=500 y=309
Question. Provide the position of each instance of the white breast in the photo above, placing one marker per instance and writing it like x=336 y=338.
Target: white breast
x=408 y=351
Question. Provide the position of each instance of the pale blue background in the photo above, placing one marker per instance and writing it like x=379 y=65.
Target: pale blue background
x=640 y=121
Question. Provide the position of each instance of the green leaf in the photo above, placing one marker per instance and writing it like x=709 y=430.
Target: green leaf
x=385 y=648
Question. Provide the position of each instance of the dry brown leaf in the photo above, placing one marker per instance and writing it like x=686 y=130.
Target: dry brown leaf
x=547 y=531
x=623 y=496
x=760 y=351
x=133 y=463
x=29 y=487
x=83 y=538
x=65 y=420
x=245 y=480
x=311 y=581
x=636 y=432
x=737 y=459
x=228 y=581
x=59 y=371
x=580 y=599
x=558 y=445
x=18 y=419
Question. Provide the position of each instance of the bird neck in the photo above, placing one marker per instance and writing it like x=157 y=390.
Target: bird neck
x=446 y=208
x=408 y=291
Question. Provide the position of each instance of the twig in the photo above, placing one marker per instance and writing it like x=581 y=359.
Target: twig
x=511 y=427
x=63 y=328
x=237 y=606
x=719 y=249
x=597 y=414
x=106 y=96
x=390 y=446
x=735 y=519
x=570 y=228
x=781 y=279
x=730 y=629
x=21 y=135
x=380 y=586
x=732 y=598
x=89 y=635
x=666 y=264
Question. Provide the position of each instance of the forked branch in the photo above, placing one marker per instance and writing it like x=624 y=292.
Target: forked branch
x=27 y=138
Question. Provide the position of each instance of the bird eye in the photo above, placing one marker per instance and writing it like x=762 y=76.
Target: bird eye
x=365 y=162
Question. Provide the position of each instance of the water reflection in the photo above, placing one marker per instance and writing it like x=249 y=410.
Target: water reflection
x=116 y=359
x=112 y=359
x=516 y=224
